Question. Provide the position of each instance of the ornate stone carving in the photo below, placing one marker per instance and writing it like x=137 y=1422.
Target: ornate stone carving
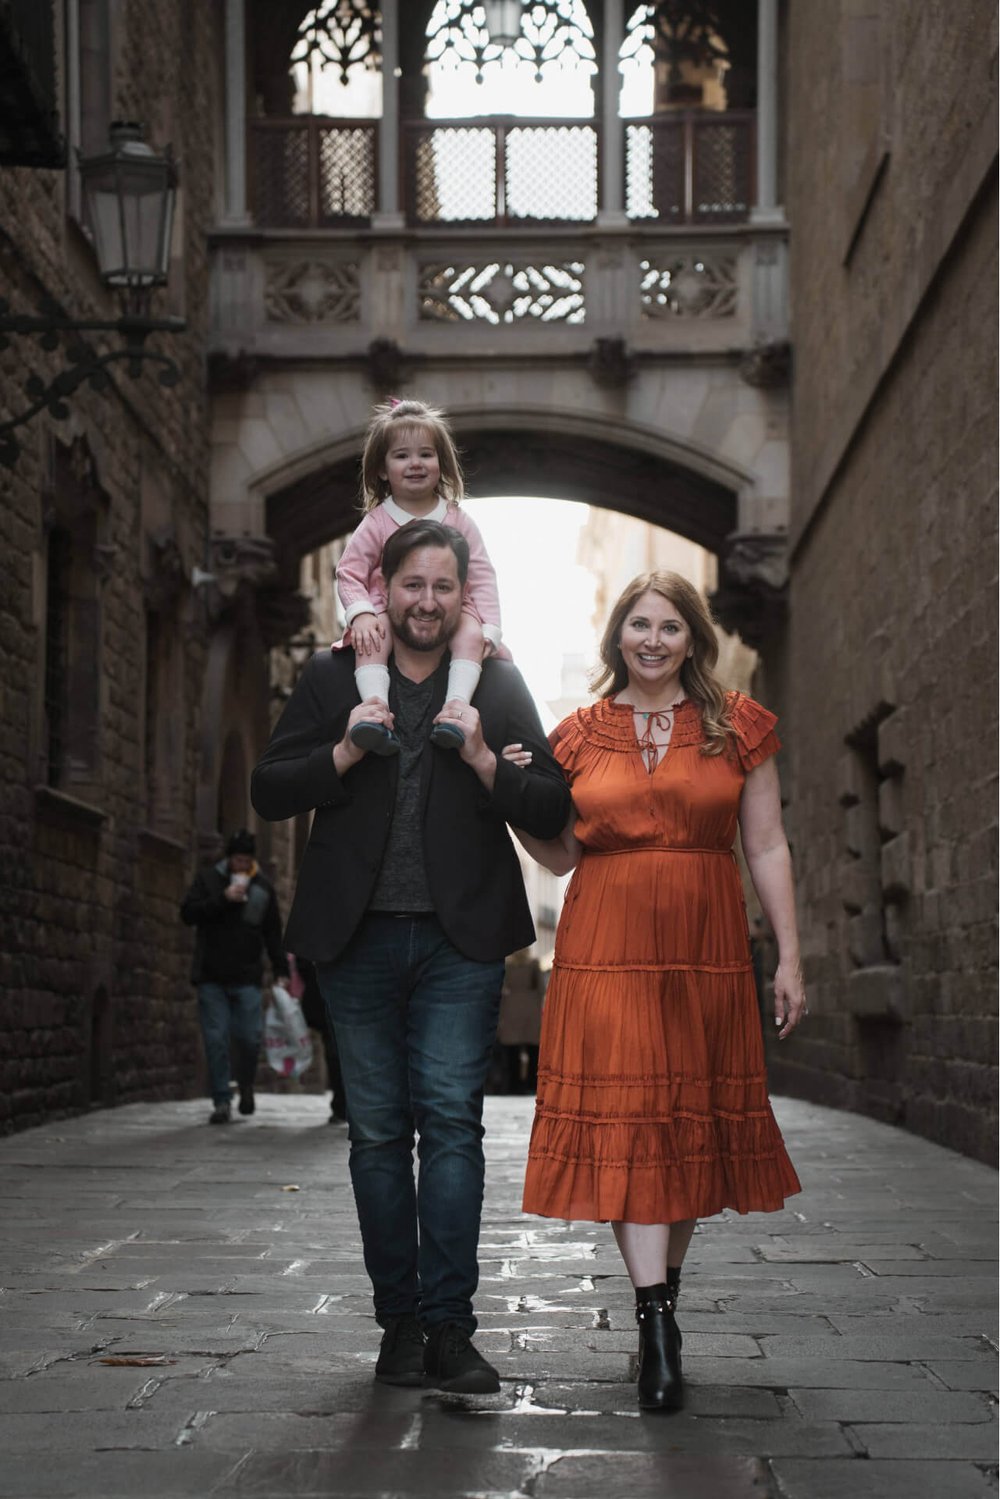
x=691 y=285
x=344 y=34
x=768 y=363
x=241 y=559
x=502 y=292
x=753 y=584
x=385 y=364
x=312 y=291
x=609 y=363
x=165 y=569
x=552 y=32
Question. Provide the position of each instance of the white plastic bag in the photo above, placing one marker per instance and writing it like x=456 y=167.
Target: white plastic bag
x=287 y=1042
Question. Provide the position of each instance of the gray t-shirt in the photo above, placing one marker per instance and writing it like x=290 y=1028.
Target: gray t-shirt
x=402 y=878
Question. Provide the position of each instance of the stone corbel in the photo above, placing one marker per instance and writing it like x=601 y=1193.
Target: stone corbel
x=165 y=574
x=384 y=365
x=752 y=596
x=767 y=364
x=609 y=363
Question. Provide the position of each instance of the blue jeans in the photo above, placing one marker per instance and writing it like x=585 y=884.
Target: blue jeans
x=415 y=1023
x=231 y=1017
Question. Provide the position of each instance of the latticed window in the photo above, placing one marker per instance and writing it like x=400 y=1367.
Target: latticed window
x=688 y=90
x=541 y=166
x=314 y=149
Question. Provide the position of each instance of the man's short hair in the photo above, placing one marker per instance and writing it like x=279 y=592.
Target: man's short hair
x=424 y=533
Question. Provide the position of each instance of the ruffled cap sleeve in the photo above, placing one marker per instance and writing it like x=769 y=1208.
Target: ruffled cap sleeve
x=565 y=741
x=756 y=739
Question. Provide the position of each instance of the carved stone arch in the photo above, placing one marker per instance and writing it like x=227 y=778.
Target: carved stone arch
x=312 y=497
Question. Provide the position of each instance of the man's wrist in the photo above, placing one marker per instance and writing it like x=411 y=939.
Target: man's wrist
x=485 y=766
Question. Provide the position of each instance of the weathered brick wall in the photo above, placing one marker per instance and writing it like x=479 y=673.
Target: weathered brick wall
x=891 y=667
x=94 y=999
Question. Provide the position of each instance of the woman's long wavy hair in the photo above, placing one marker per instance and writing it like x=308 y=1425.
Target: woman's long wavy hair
x=390 y=421
x=698 y=677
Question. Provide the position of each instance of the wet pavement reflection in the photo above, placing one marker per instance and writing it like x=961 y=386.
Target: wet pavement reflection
x=184 y=1312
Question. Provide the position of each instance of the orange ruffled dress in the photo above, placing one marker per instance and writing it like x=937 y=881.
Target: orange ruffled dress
x=652 y=1092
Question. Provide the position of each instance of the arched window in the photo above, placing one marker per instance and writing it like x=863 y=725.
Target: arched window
x=548 y=72
x=336 y=60
x=516 y=165
x=317 y=91
x=688 y=90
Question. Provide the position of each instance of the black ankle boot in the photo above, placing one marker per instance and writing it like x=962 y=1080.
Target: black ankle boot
x=660 y=1385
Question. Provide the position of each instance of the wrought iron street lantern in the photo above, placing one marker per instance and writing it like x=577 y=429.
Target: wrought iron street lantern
x=129 y=194
x=503 y=21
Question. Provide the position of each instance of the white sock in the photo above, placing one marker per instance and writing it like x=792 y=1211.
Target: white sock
x=373 y=681
x=463 y=679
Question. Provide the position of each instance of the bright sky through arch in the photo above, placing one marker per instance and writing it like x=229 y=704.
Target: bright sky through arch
x=546 y=597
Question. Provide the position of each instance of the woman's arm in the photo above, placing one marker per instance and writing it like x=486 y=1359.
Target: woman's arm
x=560 y=855
x=765 y=849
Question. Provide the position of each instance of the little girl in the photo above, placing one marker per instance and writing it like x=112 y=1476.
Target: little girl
x=410 y=471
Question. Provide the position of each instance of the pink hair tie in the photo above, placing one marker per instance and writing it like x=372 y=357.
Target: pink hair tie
x=394 y=401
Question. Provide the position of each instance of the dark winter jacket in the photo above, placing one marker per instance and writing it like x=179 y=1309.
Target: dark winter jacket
x=232 y=935
x=472 y=870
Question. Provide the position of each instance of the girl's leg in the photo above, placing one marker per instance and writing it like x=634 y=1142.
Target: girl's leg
x=371 y=676
x=463 y=677
x=371 y=673
x=466 y=659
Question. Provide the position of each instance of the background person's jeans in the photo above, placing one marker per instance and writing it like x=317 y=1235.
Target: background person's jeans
x=415 y=1023
x=231 y=1021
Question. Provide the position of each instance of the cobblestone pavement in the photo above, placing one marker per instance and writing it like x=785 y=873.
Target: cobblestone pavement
x=184 y=1312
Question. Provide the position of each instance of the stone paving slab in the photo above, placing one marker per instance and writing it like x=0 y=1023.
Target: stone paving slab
x=843 y=1346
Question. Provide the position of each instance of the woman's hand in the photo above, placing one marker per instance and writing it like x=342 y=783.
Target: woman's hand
x=789 y=999
x=367 y=634
x=517 y=754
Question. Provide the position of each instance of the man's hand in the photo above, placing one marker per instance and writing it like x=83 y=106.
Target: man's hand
x=367 y=634
x=347 y=753
x=235 y=893
x=475 y=751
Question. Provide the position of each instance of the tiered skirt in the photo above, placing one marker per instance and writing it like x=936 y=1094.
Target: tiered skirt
x=652 y=1092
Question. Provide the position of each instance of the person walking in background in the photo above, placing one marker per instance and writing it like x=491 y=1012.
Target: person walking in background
x=235 y=912
x=652 y=1107
x=409 y=898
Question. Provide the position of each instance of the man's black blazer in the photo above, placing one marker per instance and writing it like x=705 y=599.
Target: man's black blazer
x=472 y=869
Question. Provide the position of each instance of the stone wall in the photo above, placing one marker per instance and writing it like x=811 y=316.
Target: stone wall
x=97 y=821
x=891 y=639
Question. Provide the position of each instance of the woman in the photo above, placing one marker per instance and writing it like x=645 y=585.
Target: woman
x=652 y=1103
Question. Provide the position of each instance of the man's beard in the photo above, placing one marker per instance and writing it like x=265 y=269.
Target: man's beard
x=402 y=631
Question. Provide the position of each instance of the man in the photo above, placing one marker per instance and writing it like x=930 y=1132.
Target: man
x=236 y=914
x=409 y=899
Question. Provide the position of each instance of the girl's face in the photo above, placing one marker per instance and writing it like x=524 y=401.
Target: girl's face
x=655 y=642
x=411 y=467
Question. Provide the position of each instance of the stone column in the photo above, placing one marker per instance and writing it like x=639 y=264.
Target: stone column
x=767 y=210
x=388 y=214
x=611 y=209
x=236 y=115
